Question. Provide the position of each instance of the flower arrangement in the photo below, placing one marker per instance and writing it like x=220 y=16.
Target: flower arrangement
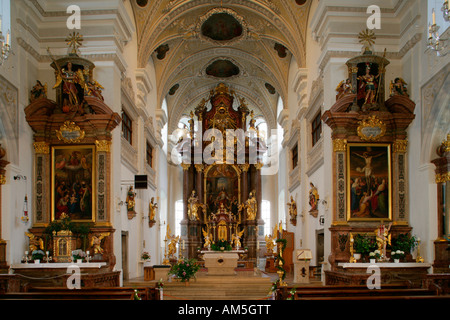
x=221 y=245
x=37 y=255
x=145 y=256
x=364 y=244
x=375 y=254
x=403 y=242
x=78 y=254
x=399 y=254
x=185 y=269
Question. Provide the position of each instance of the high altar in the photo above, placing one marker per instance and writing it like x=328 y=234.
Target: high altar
x=72 y=172
x=222 y=190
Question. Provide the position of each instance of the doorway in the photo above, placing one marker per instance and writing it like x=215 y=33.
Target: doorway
x=125 y=272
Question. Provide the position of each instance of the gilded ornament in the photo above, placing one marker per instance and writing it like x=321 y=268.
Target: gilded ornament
x=2 y=179
x=199 y=167
x=400 y=145
x=69 y=132
x=371 y=129
x=41 y=147
x=103 y=145
x=340 y=145
x=185 y=166
x=442 y=177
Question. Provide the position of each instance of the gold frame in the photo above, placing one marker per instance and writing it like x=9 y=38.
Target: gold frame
x=389 y=174
x=205 y=176
x=93 y=180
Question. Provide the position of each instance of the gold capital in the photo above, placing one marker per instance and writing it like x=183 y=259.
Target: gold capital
x=41 y=147
x=339 y=145
x=400 y=145
x=185 y=166
x=442 y=177
x=199 y=167
x=2 y=179
x=103 y=145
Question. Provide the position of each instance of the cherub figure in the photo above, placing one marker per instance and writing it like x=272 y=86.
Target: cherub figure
x=96 y=241
x=35 y=242
x=236 y=239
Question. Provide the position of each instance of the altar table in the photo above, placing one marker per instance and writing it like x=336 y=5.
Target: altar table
x=356 y=273
x=221 y=262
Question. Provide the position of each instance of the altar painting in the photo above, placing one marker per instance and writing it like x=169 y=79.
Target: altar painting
x=369 y=182
x=222 y=187
x=72 y=182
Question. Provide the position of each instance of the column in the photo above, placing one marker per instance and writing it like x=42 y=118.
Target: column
x=3 y=164
x=400 y=181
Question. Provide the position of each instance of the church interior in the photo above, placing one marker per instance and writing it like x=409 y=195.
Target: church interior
x=224 y=149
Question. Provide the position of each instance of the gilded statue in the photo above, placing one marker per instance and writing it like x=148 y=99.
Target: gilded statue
x=193 y=206
x=236 y=239
x=383 y=238
x=173 y=245
x=270 y=244
x=207 y=237
x=35 y=242
x=38 y=91
x=251 y=206
x=152 y=207
x=130 y=199
x=96 y=241
x=292 y=210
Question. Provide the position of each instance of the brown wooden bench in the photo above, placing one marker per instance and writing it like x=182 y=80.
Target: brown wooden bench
x=61 y=293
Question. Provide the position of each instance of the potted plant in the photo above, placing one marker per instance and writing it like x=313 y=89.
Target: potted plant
x=37 y=255
x=78 y=255
x=221 y=245
x=397 y=255
x=185 y=269
x=374 y=256
x=145 y=256
x=363 y=244
x=403 y=242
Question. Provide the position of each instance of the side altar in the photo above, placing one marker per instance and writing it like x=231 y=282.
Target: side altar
x=370 y=144
x=71 y=216
x=221 y=159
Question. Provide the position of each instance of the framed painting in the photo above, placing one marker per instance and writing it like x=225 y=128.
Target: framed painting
x=72 y=185
x=369 y=186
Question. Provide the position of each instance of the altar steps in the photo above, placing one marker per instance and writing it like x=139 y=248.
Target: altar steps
x=205 y=287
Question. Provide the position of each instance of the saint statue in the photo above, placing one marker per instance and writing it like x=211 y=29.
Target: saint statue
x=368 y=83
x=313 y=197
x=292 y=210
x=39 y=91
x=130 y=199
x=383 y=238
x=251 y=206
x=68 y=78
x=152 y=206
x=398 y=87
x=193 y=206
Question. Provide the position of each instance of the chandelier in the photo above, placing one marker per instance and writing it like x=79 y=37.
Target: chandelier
x=435 y=42
x=5 y=46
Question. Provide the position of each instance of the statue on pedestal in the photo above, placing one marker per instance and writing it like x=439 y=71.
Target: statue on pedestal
x=251 y=207
x=193 y=206
x=383 y=238
x=152 y=207
x=293 y=211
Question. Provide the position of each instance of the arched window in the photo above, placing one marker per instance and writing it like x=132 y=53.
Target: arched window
x=178 y=216
x=265 y=215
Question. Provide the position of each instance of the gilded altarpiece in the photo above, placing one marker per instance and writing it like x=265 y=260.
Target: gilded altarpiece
x=72 y=159
x=226 y=187
x=370 y=148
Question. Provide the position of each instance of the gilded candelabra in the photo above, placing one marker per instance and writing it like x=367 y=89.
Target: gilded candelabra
x=352 y=250
x=419 y=258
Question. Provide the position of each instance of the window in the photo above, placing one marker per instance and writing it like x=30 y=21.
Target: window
x=127 y=127
x=149 y=155
x=316 y=128
x=265 y=215
x=178 y=216
x=294 y=156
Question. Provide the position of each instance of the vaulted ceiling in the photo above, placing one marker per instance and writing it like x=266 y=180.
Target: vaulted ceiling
x=195 y=44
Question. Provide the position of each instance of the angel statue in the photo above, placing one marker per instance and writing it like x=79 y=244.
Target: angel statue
x=398 y=87
x=344 y=88
x=207 y=237
x=236 y=239
x=35 y=242
x=383 y=238
x=269 y=244
x=173 y=245
x=96 y=241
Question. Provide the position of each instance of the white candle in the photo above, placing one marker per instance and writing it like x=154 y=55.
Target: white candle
x=26 y=252
x=8 y=42
x=183 y=244
x=433 y=14
x=0 y=23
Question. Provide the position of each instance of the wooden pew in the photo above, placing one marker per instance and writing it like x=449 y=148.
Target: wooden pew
x=61 y=293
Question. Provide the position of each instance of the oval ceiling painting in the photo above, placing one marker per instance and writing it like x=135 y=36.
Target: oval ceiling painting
x=222 y=69
x=221 y=27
